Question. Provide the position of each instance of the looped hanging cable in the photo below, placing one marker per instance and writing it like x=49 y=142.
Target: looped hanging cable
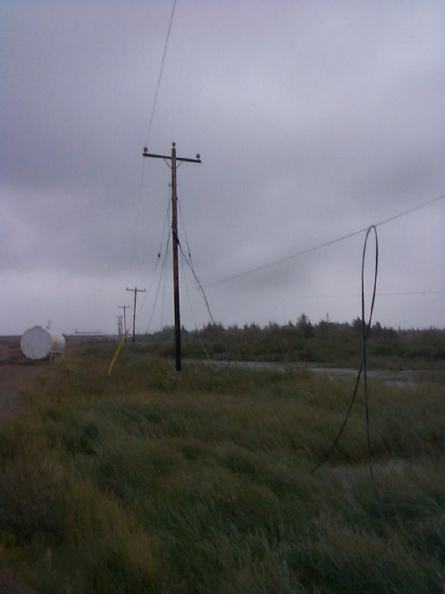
x=366 y=328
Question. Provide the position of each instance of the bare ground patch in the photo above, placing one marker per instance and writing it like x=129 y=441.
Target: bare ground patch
x=16 y=374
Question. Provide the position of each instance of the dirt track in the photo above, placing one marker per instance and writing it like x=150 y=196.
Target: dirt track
x=15 y=375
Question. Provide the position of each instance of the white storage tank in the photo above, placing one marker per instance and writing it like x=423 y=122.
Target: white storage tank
x=39 y=343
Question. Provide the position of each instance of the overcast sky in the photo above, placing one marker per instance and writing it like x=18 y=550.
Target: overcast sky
x=313 y=119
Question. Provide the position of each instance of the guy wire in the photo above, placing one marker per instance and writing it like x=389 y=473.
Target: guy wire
x=184 y=276
x=189 y=262
x=163 y=270
x=163 y=293
x=158 y=258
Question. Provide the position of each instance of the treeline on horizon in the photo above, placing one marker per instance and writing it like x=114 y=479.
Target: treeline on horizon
x=325 y=342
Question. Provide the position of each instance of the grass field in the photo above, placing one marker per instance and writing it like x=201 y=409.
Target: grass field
x=149 y=482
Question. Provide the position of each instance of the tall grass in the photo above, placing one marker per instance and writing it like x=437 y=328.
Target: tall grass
x=152 y=482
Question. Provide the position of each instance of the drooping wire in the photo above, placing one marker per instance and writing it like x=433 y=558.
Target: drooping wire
x=189 y=262
x=161 y=276
x=198 y=283
x=164 y=293
x=137 y=220
x=366 y=328
x=185 y=232
x=184 y=276
x=158 y=259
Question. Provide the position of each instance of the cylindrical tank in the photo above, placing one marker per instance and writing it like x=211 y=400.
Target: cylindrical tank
x=39 y=343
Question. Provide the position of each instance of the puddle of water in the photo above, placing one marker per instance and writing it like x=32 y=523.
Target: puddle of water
x=399 y=377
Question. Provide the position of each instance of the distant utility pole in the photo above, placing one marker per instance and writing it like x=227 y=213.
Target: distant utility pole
x=136 y=291
x=119 y=325
x=124 y=307
x=173 y=158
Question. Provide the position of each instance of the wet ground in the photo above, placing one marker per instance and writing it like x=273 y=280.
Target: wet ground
x=400 y=377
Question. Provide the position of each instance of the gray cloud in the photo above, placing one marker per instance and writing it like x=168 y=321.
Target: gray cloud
x=313 y=120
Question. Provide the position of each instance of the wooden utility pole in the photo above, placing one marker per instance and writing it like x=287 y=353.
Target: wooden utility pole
x=174 y=159
x=124 y=307
x=136 y=291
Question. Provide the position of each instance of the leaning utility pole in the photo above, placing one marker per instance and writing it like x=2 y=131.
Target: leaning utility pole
x=173 y=158
x=124 y=307
x=136 y=291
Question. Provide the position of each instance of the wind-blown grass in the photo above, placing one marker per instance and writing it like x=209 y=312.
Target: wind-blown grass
x=150 y=482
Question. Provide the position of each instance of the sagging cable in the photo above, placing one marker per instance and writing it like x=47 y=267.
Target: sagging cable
x=366 y=328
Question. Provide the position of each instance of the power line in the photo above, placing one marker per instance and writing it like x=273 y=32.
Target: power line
x=159 y=253
x=141 y=182
x=135 y=291
x=160 y=72
x=161 y=277
x=323 y=245
x=397 y=293
x=410 y=210
x=354 y=295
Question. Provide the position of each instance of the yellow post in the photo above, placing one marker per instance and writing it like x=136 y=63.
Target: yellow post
x=124 y=337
